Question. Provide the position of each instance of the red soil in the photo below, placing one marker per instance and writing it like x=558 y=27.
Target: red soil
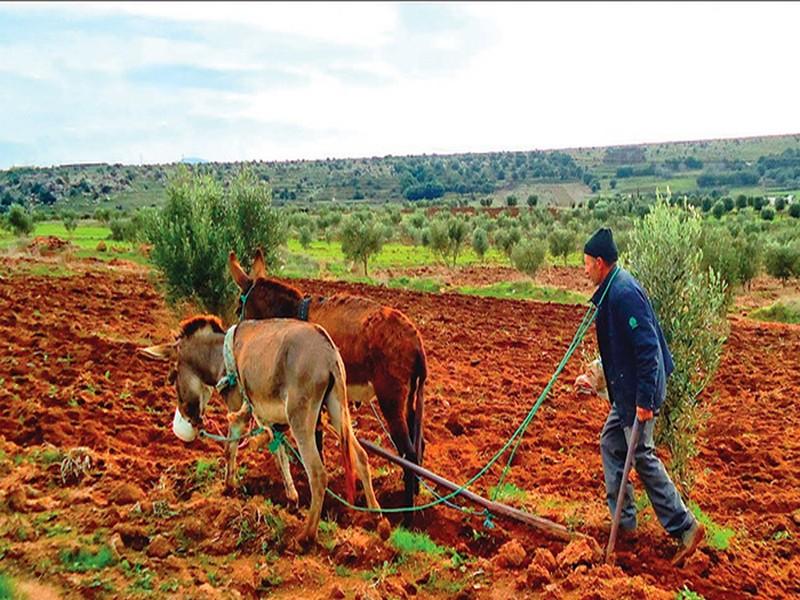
x=71 y=378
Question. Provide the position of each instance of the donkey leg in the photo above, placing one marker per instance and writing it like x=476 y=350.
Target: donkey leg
x=288 y=482
x=362 y=468
x=235 y=429
x=392 y=396
x=303 y=427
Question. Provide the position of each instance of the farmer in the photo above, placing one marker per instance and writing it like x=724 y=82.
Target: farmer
x=636 y=363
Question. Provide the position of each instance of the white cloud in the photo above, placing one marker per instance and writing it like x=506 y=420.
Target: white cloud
x=499 y=76
x=354 y=23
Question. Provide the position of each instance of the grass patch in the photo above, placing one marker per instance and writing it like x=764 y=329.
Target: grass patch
x=82 y=560
x=506 y=492
x=421 y=284
x=525 y=290
x=8 y=590
x=205 y=471
x=787 y=311
x=719 y=537
x=410 y=542
x=686 y=594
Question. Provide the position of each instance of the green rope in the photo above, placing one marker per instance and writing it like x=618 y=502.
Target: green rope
x=221 y=438
x=583 y=328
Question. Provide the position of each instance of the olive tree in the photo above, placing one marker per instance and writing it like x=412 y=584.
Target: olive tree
x=665 y=255
x=362 y=237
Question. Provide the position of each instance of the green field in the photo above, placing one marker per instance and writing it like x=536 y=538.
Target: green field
x=85 y=238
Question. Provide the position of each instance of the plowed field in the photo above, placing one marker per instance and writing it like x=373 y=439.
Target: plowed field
x=99 y=499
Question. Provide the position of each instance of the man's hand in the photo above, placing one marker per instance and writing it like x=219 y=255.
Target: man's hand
x=643 y=414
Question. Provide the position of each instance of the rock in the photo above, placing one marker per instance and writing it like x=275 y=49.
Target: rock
x=358 y=549
x=243 y=575
x=545 y=559
x=336 y=592
x=577 y=552
x=159 y=547
x=17 y=501
x=126 y=493
x=117 y=545
x=511 y=555
x=796 y=517
x=132 y=536
x=536 y=576
x=195 y=530
x=454 y=425
x=553 y=591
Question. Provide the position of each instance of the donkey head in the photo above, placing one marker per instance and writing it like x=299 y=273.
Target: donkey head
x=188 y=355
x=262 y=297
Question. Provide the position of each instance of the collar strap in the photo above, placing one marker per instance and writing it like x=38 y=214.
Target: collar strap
x=302 y=310
x=244 y=298
x=231 y=377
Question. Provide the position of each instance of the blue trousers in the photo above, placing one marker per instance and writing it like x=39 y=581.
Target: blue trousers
x=666 y=501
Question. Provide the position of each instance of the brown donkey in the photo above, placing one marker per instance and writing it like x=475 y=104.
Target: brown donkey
x=289 y=369
x=381 y=349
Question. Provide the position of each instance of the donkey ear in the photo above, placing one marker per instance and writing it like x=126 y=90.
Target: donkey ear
x=259 y=264
x=160 y=352
x=239 y=276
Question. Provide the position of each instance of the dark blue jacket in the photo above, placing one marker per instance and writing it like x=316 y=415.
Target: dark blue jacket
x=636 y=359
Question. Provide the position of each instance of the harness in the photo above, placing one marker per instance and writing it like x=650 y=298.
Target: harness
x=302 y=310
x=230 y=379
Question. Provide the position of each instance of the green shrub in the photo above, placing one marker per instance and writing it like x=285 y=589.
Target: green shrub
x=528 y=256
x=200 y=224
x=447 y=236
x=768 y=213
x=70 y=220
x=305 y=236
x=782 y=261
x=362 y=237
x=779 y=312
x=19 y=220
x=665 y=256
x=562 y=242
x=720 y=254
x=480 y=242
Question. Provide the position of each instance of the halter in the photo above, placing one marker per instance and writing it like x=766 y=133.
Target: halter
x=243 y=299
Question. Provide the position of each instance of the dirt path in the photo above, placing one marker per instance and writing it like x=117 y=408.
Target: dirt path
x=71 y=379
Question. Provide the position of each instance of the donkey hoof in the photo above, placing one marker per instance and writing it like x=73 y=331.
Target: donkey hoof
x=384 y=528
x=304 y=542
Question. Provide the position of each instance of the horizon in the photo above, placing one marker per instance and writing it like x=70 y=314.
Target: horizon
x=201 y=160
x=152 y=83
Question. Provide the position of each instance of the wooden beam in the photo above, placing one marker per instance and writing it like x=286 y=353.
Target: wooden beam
x=553 y=529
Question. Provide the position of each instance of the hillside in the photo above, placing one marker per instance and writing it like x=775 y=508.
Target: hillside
x=755 y=166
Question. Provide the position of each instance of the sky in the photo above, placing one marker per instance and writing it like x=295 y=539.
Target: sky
x=156 y=82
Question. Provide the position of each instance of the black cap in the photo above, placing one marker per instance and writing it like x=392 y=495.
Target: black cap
x=602 y=245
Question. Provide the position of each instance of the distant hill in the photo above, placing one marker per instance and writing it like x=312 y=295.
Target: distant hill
x=753 y=166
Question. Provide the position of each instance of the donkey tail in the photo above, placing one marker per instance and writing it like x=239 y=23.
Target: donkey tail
x=346 y=437
x=420 y=374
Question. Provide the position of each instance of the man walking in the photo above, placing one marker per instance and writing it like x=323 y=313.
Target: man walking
x=636 y=363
